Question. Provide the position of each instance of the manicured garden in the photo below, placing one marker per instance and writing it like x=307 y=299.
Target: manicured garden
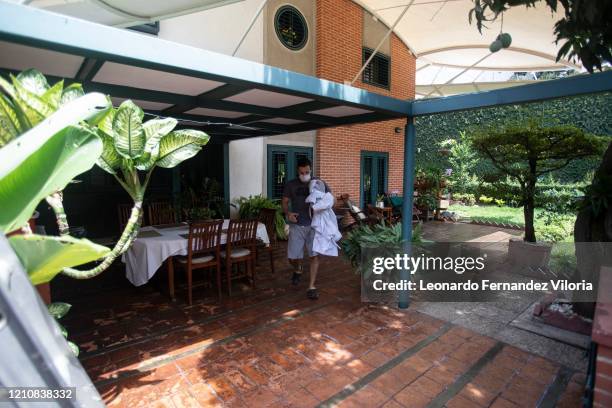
x=510 y=173
x=560 y=230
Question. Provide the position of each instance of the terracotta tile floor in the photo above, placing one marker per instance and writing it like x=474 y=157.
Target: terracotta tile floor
x=274 y=347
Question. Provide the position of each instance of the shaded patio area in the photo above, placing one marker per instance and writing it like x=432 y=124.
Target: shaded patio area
x=272 y=346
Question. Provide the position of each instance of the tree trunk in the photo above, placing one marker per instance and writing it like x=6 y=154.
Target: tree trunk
x=529 y=209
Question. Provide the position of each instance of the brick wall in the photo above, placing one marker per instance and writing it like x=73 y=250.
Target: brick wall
x=339 y=48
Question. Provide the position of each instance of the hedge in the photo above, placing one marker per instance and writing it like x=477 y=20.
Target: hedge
x=546 y=193
x=592 y=113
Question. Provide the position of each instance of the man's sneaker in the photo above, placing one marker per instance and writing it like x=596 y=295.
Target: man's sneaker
x=312 y=294
x=295 y=278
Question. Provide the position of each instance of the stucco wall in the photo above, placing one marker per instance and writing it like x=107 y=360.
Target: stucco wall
x=219 y=30
x=275 y=53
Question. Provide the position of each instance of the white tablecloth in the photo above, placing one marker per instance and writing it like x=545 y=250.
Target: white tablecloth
x=146 y=255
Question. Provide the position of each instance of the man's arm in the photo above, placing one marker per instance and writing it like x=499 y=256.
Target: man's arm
x=291 y=216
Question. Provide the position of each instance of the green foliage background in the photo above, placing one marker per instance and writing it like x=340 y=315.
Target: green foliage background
x=592 y=113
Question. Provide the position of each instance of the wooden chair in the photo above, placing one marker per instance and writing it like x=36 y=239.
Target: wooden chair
x=267 y=217
x=356 y=213
x=123 y=212
x=239 y=248
x=203 y=251
x=161 y=213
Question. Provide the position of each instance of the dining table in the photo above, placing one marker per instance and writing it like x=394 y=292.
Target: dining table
x=158 y=244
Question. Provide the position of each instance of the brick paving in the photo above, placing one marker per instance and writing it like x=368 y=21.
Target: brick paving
x=274 y=347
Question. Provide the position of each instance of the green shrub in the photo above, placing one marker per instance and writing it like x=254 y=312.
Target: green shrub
x=467 y=198
x=499 y=202
x=485 y=200
x=379 y=235
x=249 y=207
x=567 y=194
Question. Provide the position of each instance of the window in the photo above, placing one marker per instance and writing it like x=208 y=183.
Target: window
x=374 y=172
x=282 y=162
x=377 y=71
x=291 y=28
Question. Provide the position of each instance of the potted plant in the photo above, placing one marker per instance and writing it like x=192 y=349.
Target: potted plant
x=380 y=201
x=426 y=203
x=524 y=152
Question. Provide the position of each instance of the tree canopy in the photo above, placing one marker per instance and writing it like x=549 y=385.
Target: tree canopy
x=527 y=151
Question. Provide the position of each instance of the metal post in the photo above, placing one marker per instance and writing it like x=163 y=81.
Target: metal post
x=408 y=189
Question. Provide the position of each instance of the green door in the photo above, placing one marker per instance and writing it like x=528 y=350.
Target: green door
x=282 y=162
x=374 y=175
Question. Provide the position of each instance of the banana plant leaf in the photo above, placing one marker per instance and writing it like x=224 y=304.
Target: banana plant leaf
x=46 y=158
x=45 y=256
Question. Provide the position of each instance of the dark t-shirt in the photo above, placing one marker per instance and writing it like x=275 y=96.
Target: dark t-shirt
x=297 y=192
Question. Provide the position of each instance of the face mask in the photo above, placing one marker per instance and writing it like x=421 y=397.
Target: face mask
x=305 y=178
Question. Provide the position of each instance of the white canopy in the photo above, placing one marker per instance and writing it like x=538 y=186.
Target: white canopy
x=451 y=54
x=121 y=13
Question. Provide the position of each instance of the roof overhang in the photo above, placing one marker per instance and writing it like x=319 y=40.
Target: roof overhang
x=226 y=96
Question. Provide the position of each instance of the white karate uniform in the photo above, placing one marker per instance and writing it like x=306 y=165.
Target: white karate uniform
x=324 y=221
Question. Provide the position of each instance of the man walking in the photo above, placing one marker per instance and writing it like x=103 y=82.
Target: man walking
x=301 y=235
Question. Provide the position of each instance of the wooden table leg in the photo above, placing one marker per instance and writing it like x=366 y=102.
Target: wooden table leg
x=170 y=265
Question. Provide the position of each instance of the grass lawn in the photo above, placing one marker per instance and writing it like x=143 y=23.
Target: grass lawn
x=511 y=215
x=507 y=215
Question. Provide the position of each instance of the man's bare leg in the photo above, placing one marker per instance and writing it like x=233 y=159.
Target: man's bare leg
x=297 y=271
x=314 y=269
x=297 y=265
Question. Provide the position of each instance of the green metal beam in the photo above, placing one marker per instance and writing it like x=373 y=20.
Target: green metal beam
x=557 y=88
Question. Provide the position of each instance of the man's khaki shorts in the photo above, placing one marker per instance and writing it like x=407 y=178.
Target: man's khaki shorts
x=300 y=236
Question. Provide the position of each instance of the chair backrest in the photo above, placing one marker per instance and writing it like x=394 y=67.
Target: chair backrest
x=204 y=236
x=241 y=233
x=355 y=211
x=161 y=213
x=123 y=215
x=267 y=216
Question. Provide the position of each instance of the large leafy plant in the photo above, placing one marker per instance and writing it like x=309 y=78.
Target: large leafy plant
x=51 y=134
x=132 y=147
x=46 y=141
x=378 y=236
x=249 y=207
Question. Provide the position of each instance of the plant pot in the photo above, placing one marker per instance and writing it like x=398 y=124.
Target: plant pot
x=529 y=258
x=380 y=204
